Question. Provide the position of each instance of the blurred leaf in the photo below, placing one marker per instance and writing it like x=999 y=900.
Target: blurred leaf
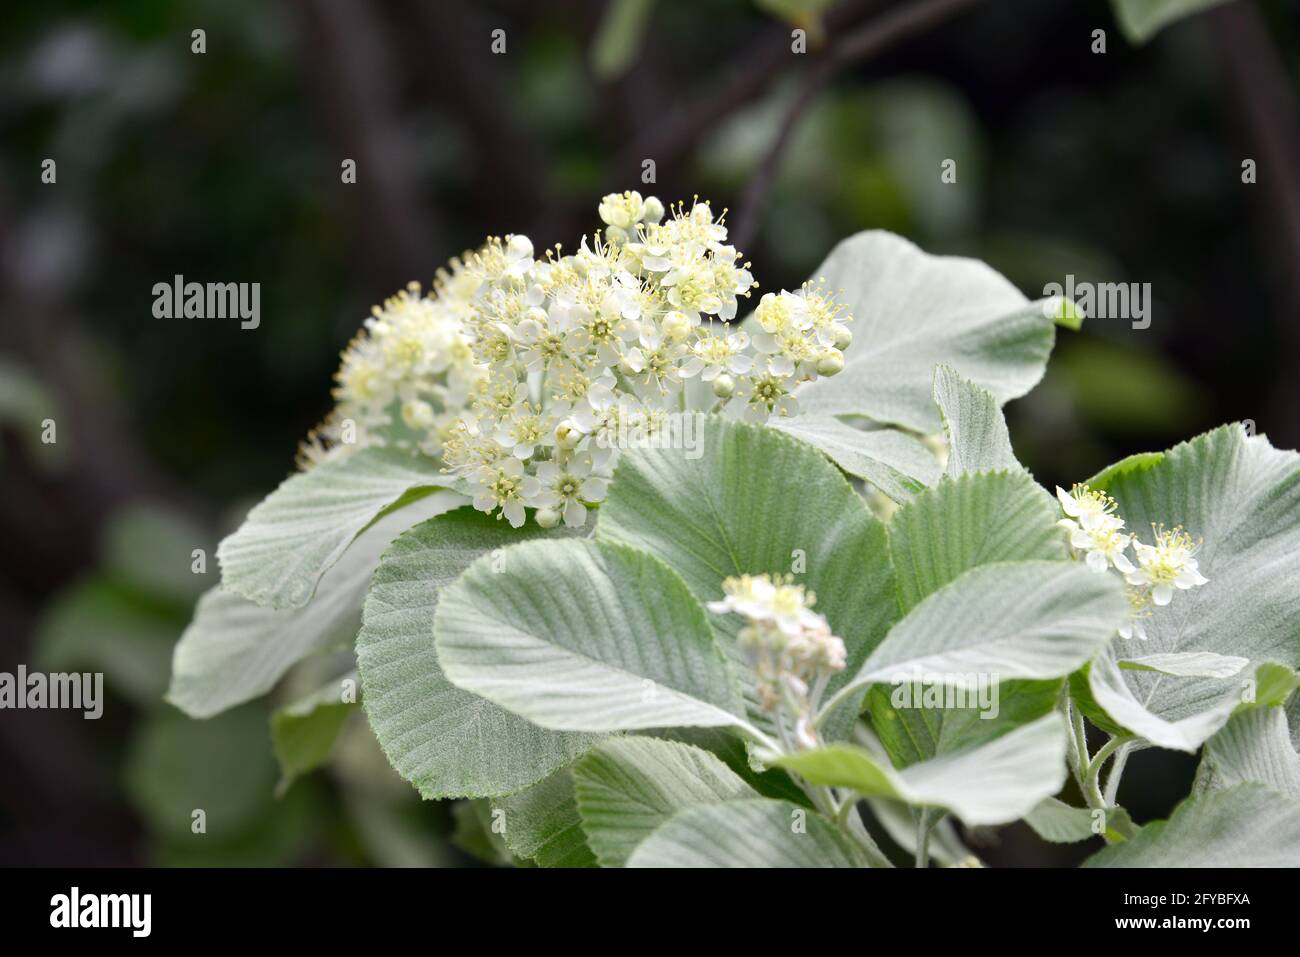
x=223 y=766
x=1142 y=19
x=25 y=403
x=150 y=547
x=474 y=833
x=97 y=625
x=1127 y=390
x=620 y=35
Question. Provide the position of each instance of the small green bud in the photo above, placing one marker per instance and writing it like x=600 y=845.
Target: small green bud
x=724 y=386
x=654 y=210
x=843 y=338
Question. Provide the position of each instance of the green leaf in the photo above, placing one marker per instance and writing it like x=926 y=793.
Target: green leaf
x=916 y=722
x=473 y=832
x=628 y=786
x=1009 y=620
x=303 y=733
x=97 y=625
x=542 y=823
x=734 y=753
x=1191 y=664
x=913 y=311
x=752 y=833
x=750 y=500
x=619 y=37
x=1142 y=19
x=978 y=440
x=1242 y=497
x=579 y=636
x=1254 y=746
x=235 y=650
x=300 y=530
x=444 y=740
x=993 y=783
x=896 y=463
x=1249 y=825
x=222 y=767
x=1058 y=822
x=1110 y=691
x=975 y=519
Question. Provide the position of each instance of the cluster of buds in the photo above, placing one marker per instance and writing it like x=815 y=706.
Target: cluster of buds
x=521 y=373
x=1097 y=536
x=789 y=647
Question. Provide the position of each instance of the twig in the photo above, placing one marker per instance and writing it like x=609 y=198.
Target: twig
x=865 y=42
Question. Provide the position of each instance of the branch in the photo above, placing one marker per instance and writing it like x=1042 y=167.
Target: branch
x=669 y=143
x=862 y=44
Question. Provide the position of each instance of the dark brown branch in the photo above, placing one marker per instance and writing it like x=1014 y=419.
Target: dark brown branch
x=867 y=41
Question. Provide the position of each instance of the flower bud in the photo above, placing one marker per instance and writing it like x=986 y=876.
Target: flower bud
x=654 y=210
x=676 y=325
x=723 y=386
x=417 y=414
x=615 y=235
x=547 y=517
x=568 y=435
x=520 y=246
x=843 y=338
x=830 y=363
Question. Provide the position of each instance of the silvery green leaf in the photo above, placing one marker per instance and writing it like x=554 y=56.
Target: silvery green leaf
x=757 y=832
x=541 y=823
x=974 y=519
x=1191 y=664
x=1241 y=497
x=1059 y=823
x=750 y=500
x=583 y=636
x=1036 y=619
x=896 y=463
x=913 y=311
x=629 y=785
x=1248 y=825
x=293 y=537
x=235 y=650
x=992 y=783
x=1254 y=746
x=978 y=440
x=443 y=739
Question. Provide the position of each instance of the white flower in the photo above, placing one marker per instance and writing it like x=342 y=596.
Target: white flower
x=566 y=486
x=715 y=355
x=1085 y=505
x=1166 y=565
x=505 y=486
x=1103 y=543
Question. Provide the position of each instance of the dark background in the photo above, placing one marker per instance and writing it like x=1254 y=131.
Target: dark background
x=225 y=166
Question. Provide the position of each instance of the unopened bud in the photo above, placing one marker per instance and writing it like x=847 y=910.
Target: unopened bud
x=547 y=517
x=676 y=325
x=843 y=338
x=615 y=235
x=417 y=414
x=654 y=210
x=723 y=386
x=568 y=435
x=831 y=363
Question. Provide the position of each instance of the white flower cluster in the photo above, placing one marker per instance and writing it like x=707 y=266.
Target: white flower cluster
x=522 y=373
x=1097 y=535
x=790 y=648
